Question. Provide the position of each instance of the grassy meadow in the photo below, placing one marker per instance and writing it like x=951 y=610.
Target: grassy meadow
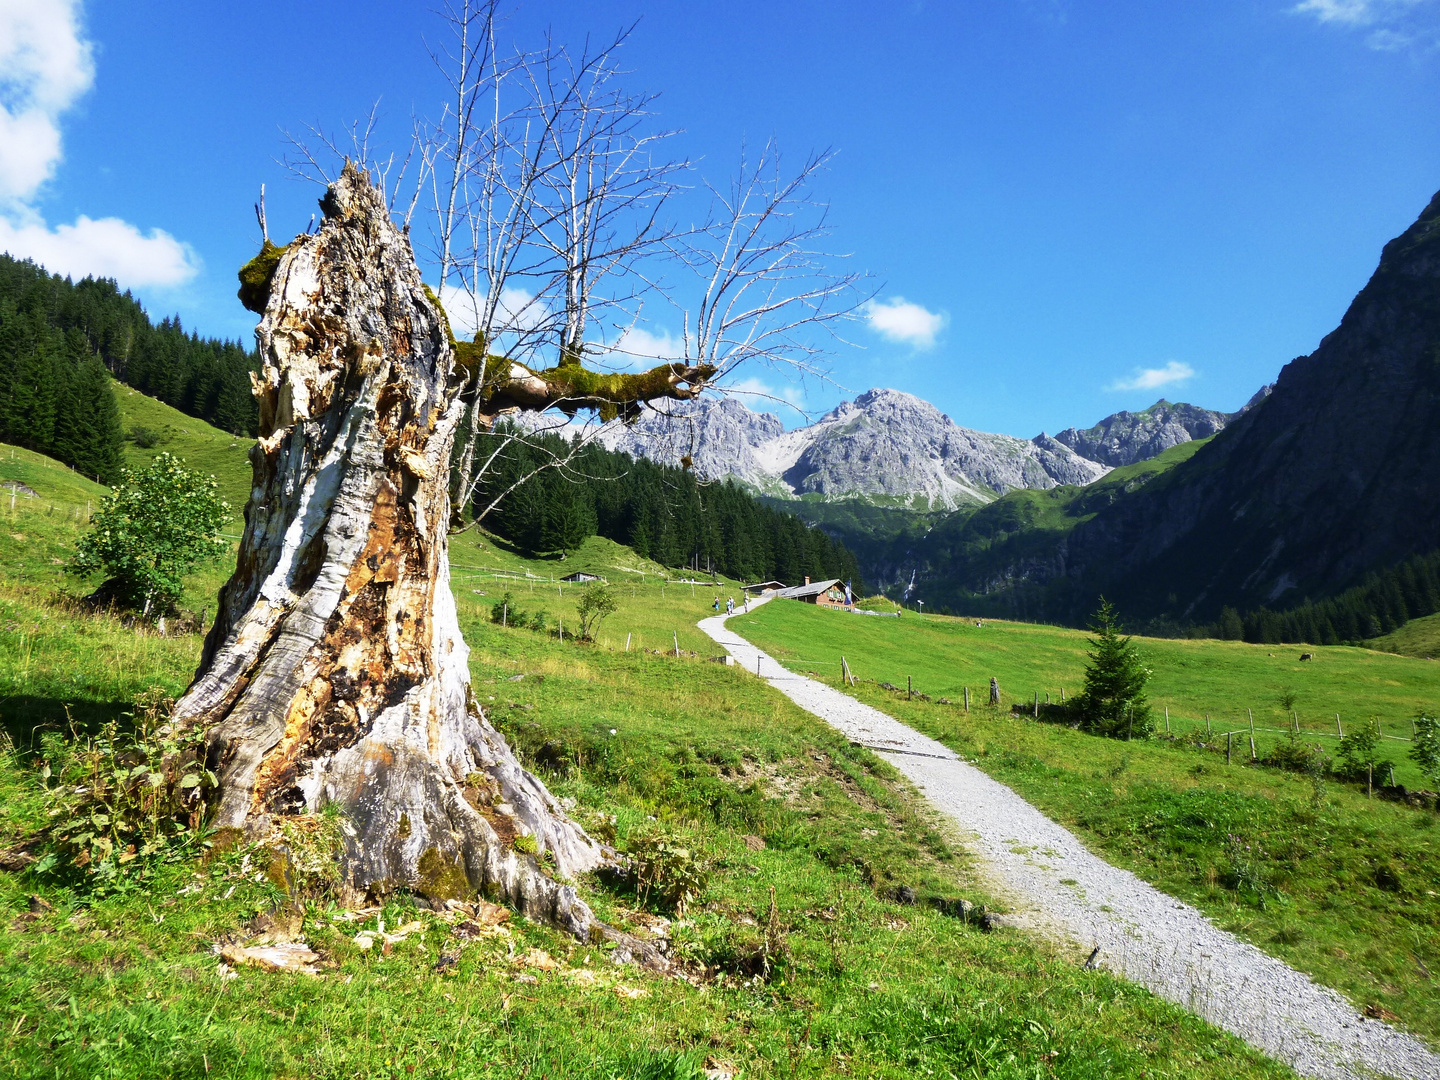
x=805 y=839
x=1342 y=886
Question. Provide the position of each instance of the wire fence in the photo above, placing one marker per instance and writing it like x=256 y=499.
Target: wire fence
x=1213 y=725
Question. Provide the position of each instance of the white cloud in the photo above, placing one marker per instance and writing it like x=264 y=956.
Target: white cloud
x=899 y=320
x=108 y=247
x=519 y=310
x=640 y=348
x=1154 y=378
x=1393 y=24
x=761 y=396
x=1354 y=12
x=45 y=67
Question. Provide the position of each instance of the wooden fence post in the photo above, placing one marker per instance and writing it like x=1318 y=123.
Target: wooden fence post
x=676 y=636
x=1295 y=721
x=1167 y=719
x=1227 y=747
x=1338 y=729
x=967 y=699
x=1207 y=725
x=994 y=690
x=504 y=614
x=909 y=689
x=627 y=642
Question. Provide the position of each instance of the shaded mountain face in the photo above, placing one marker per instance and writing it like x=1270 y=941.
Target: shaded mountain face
x=1334 y=473
x=1125 y=437
x=886 y=447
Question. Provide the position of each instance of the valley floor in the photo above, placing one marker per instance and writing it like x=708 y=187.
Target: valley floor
x=1057 y=885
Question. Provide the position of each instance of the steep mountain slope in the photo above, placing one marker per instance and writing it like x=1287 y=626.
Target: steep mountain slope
x=1335 y=473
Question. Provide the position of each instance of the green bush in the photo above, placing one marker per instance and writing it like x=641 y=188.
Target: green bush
x=1295 y=756
x=151 y=531
x=1359 y=752
x=505 y=612
x=1425 y=751
x=597 y=602
x=671 y=874
x=120 y=800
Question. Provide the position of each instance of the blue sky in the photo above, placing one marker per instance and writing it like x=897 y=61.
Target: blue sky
x=1068 y=207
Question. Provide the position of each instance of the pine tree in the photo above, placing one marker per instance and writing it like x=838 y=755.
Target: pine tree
x=1112 y=701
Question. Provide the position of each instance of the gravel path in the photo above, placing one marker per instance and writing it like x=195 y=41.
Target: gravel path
x=1058 y=887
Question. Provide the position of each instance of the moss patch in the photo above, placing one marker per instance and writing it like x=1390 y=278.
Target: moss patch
x=256 y=275
x=441 y=880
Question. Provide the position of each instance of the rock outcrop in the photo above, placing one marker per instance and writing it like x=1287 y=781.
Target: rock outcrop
x=1124 y=438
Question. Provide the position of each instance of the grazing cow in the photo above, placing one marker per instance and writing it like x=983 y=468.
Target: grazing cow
x=1307 y=656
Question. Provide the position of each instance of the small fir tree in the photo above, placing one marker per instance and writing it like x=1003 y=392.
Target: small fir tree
x=150 y=532
x=1112 y=701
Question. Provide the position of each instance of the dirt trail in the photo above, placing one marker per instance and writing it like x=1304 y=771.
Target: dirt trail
x=1057 y=886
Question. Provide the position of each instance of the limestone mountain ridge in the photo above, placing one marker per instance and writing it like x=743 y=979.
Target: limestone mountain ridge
x=890 y=448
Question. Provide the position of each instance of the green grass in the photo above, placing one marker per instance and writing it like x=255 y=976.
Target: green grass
x=1418 y=637
x=1192 y=678
x=1341 y=886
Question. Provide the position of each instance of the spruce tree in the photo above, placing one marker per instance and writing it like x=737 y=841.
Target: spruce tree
x=1112 y=701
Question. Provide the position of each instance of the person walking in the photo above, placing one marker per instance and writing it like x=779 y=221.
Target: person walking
x=716 y=605
x=730 y=606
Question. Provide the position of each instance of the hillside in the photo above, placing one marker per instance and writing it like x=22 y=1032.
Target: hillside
x=151 y=427
x=985 y=561
x=1333 y=475
x=796 y=948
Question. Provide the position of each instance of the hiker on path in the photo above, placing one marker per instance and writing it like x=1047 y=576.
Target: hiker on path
x=716 y=605
x=730 y=606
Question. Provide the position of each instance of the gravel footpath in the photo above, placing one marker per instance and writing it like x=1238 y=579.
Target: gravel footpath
x=1057 y=887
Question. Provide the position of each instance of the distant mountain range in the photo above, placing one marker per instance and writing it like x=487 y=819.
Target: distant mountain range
x=889 y=448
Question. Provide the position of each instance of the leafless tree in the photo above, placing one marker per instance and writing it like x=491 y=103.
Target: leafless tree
x=335 y=672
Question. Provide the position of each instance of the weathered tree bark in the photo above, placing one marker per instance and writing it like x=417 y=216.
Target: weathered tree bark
x=335 y=672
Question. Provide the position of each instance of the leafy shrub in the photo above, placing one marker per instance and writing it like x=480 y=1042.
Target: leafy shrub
x=1292 y=755
x=145 y=438
x=151 y=531
x=597 y=602
x=505 y=612
x=672 y=874
x=121 y=800
x=1425 y=751
x=1360 y=752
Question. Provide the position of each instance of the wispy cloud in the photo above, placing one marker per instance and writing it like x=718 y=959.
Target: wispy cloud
x=641 y=348
x=1390 y=25
x=897 y=319
x=1154 y=378
x=46 y=66
x=761 y=396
